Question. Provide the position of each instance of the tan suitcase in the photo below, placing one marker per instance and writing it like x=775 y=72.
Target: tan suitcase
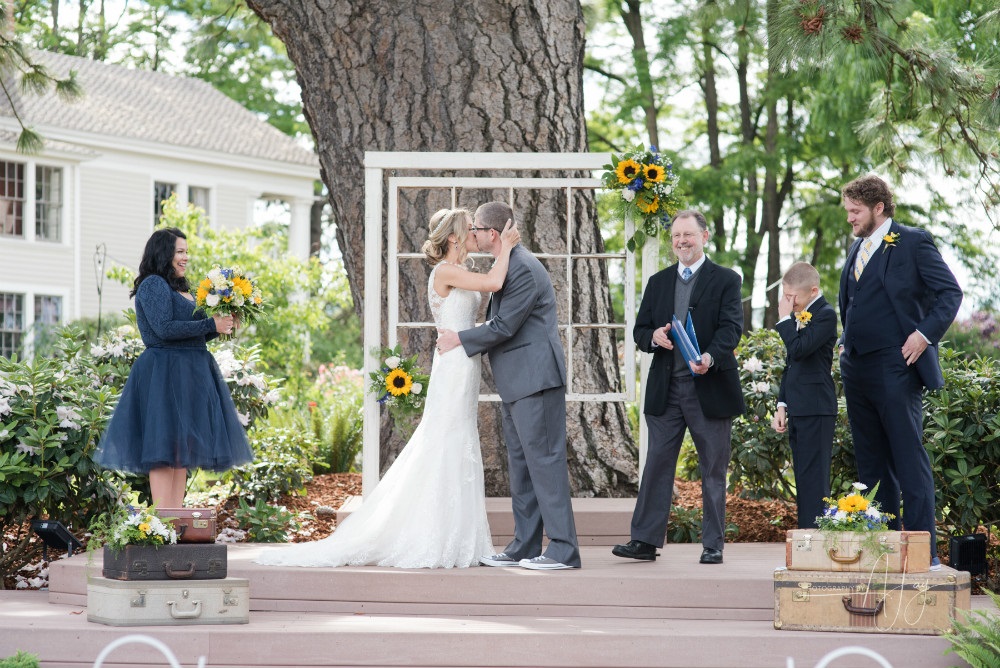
x=918 y=604
x=167 y=602
x=849 y=551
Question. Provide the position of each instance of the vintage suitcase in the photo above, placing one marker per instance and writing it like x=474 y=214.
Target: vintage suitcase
x=919 y=604
x=168 y=603
x=193 y=525
x=879 y=552
x=166 y=562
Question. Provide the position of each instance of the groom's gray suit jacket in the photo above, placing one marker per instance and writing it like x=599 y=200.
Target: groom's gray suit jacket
x=521 y=335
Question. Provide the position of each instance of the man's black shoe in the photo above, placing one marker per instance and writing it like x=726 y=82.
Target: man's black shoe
x=710 y=556
x=635 y=549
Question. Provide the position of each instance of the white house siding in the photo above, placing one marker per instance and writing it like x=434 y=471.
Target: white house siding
x=116 y=211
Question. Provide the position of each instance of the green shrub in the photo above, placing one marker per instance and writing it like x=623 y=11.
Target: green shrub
x=281 y=464
x=52 y=410
x=962 y=435
x=20 y=660
x=265 y=523
x=976 y=636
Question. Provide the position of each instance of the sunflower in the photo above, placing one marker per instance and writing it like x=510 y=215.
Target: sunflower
x=398 y=382
x=653 y=173
x=627 y=170
x=202 y=295
x=852 y=503
x=647 y=206
x=243 y=285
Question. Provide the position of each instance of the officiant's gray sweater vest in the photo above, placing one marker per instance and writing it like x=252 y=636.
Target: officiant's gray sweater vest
x=682 y=298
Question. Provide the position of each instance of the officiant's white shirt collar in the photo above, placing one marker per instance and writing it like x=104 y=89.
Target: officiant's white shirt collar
x=880 y=232
x=694 y=267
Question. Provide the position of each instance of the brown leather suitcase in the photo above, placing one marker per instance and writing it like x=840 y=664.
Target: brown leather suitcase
x=166 y=562
x=907 y=603
x=193 y=525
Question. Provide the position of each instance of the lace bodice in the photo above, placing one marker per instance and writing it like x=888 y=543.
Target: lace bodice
x=458 y=310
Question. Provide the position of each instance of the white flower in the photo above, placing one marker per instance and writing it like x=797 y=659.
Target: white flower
x=417 y=388
x=873 y=513
x=96 y=351
x=628 y=195
x=761 y=387
x=118 y=349
x=27 y=449
x=860 y=486
x=4 y=434
x=4 y=406
x=392 y=362
x=840 y=515
x=244 y=419
x=753 y=365
x=238 y=299
x=67 y=417
x=212 y=300
x=271 y=397
x=228 y=364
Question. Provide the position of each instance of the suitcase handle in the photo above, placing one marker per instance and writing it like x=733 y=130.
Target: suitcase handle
x=844 y=560
x=186 y=614
x=860 y=610
x=178 y=575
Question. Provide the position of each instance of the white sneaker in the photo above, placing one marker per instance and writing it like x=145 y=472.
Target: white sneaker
x=497 y=560
x=542 y=563
x=935 y=564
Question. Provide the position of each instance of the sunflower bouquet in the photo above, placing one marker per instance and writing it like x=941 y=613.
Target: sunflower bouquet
x=854 y=512
x=132 y=526
x=646 y=189
x=399 y=383
x=231 y=291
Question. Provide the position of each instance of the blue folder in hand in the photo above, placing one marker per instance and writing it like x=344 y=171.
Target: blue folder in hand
x=686 y=340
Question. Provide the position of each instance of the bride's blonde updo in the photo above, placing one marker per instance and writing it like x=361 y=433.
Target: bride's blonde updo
x=443 y=224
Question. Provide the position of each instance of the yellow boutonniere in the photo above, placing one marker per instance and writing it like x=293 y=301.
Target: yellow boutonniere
x=890 y=240
x=803 y=318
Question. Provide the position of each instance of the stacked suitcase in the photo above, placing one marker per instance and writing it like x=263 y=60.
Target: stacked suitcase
x=168 y=585
x=844 y=581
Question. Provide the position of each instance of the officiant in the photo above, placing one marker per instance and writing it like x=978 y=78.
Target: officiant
x=701 y=395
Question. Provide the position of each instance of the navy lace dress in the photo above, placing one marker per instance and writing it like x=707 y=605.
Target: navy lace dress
x=176 y=409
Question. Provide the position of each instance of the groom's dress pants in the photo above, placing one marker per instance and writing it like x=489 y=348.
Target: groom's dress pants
x=535 y=432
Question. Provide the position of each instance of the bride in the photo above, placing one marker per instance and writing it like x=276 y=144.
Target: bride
x=429 y=510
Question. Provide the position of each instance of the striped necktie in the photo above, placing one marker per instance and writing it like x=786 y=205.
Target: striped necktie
x=862 y=259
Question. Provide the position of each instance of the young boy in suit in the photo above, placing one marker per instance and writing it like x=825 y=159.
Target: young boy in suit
x=807 y=400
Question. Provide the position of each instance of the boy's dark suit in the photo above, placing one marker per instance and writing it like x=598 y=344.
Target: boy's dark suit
x=811 y=399
x=906 y=287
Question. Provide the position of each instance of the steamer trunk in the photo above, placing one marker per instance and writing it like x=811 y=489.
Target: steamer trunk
x=168 y=603
x=850 y=551
x=918 y=604
x=194 y=561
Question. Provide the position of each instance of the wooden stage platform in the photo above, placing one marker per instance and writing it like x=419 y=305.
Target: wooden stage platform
x=672 y=612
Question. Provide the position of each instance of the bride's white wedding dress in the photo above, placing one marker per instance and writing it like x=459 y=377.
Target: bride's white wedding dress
x=429 y=510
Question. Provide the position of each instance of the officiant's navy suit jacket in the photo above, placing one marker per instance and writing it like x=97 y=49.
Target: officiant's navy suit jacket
x=717 y=315
x=910 y=287
x=807 y=382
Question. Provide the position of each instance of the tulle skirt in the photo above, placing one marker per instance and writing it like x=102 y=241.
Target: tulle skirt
x=175 y=411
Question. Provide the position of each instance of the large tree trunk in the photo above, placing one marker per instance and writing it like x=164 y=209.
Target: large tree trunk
x=471 y=75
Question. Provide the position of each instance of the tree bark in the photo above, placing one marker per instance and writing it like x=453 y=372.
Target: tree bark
x=476 y=75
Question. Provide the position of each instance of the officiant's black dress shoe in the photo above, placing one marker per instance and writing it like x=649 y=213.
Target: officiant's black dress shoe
x=711 y=556
x=635 y=549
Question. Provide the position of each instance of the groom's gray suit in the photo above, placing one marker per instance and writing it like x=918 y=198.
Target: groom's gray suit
x=521 y=338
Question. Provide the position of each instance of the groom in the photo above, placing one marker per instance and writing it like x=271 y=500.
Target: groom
x=522 y=340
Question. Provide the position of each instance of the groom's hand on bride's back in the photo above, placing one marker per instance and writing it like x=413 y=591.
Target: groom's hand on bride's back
x=447 y=340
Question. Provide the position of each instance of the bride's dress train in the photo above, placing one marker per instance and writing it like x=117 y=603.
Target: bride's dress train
x=429 y=510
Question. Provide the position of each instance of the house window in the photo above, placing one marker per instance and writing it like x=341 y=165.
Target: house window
x=48 y=310
x=48 y=203
x=161 y=191
x=11 y=199
x=199 y=197
x=11 y=323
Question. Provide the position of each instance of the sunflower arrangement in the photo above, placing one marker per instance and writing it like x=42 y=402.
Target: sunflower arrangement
x=399 y=383
x=645 y=188
x=854 y=512
x=231 y=291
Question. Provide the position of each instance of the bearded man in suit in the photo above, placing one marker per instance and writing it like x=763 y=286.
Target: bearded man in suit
x=897 y=299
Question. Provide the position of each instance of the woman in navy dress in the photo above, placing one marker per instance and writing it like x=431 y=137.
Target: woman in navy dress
x=175 y=412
